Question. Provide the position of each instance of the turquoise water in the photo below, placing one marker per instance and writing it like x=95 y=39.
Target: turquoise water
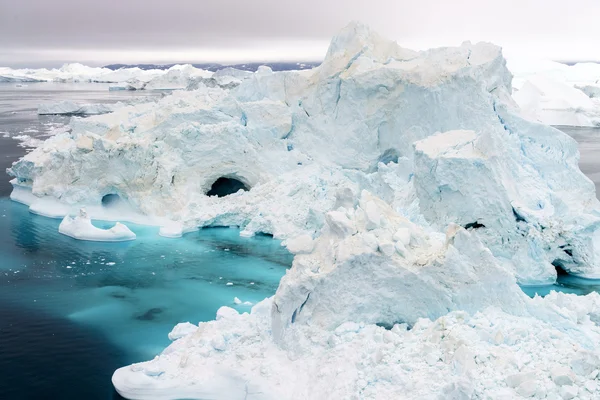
x=121 y=297
x=566 y=284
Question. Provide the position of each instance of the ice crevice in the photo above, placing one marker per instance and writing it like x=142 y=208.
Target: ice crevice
x=373 y=196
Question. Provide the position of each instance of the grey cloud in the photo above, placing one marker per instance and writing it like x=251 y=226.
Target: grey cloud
x=160 y=25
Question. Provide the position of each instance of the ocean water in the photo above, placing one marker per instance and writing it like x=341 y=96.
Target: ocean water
x=71 y=312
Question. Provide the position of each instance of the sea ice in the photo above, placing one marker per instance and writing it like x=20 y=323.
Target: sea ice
x=80 y=227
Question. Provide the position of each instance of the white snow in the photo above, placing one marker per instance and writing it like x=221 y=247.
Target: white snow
x=80 y=227
x=414 y=195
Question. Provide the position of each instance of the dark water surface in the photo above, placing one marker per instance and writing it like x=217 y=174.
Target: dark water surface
x=71 y=312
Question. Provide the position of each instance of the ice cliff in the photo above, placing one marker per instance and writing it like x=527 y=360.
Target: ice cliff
x=407 y=184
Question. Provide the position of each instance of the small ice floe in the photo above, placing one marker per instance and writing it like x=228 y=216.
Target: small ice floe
x=229 y=284
x=237 y=301
x=80 y=227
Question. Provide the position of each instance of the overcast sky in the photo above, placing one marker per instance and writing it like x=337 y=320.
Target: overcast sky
x=96 y=32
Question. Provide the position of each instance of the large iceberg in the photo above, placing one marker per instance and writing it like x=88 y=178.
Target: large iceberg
x=409 y=186
x=363 y=120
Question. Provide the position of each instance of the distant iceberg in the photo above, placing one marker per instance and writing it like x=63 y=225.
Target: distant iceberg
x=415 y=196
x=558 y=94
x=137 y=78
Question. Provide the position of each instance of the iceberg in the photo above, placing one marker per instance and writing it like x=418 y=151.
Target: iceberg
x=296 y=138
x=70 y=108
x=176 y=77
x=557 y=94
x=415 y=196
x=130 y=84
x=81 y=228
x=125 y=78
x=557 y=103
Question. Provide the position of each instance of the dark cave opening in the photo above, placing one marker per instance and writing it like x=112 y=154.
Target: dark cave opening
x=226 y=186
x=110 y=199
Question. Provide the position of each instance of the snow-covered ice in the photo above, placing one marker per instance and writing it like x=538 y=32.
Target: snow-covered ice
x=415 y=196
x=557 y=103
x=80 y=227
x=557 y=94
x=176 y=77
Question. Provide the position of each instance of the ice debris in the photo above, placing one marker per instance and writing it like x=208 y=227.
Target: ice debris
x=80 y=227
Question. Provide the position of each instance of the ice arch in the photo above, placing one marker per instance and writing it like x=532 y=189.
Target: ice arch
x=110 y=199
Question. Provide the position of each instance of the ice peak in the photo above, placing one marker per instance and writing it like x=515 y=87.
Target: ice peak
x=357 y=39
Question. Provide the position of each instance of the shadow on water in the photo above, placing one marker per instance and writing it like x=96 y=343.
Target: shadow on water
x=58 y=366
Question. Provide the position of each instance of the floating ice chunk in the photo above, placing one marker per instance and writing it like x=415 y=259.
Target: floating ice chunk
x=80 y=227
x=237 y=301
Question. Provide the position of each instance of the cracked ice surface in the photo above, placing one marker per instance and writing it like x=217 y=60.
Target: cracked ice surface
x=408 y=186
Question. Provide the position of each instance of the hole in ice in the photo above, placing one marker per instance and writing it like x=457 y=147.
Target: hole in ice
x=110 y=199
x=264 y=234
x=226 y=186
x=388 y=326
x=567 y=250
x=388 y=156
x=559 y=266
x=518 y=217
x=474 y=225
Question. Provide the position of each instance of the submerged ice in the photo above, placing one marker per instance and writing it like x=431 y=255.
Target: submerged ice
x=409 y=186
